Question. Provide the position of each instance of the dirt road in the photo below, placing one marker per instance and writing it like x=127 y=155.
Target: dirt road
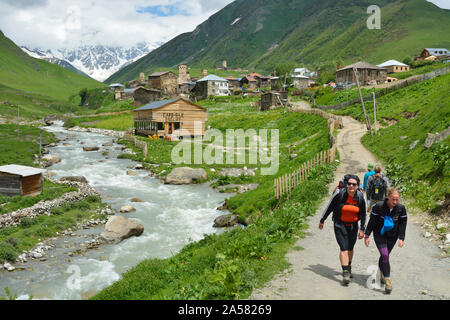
x=418 y=271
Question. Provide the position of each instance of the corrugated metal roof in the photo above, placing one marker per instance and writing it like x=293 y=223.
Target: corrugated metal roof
x=361 y=65
x=22 y=171
x=131 y=90
x=212 y=77
x=156 y=104
x=116 y=85
x=392 y=63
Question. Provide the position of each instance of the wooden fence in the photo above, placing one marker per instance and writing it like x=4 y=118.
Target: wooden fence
x=137 y=143
x=287 y=182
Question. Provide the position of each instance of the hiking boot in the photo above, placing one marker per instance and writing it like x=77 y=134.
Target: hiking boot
x=350 y=271
x=382 y=279
x=346 y=277
x=388 y=287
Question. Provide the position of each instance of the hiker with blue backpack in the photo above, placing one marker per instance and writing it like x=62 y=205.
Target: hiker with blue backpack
x=388 y=221
x=377 y=185
x=348 y=206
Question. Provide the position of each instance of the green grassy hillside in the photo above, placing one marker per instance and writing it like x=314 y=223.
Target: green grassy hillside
x=304 y=31
x=408 y=115
x=22 y=72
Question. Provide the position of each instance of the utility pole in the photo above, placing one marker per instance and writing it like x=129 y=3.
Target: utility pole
x=18 y=121
x=374 y=113
x=40 y=148
x=355 y=71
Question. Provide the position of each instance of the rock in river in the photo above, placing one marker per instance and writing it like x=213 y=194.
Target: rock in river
x=185 y=175
x=90 y=148
x=126 y=209
x=227 y=220
x=119 y=228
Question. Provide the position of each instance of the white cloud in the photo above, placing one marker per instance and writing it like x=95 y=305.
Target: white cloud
x=55 y=24
x=444 y=4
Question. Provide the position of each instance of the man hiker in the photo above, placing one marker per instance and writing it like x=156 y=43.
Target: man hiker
x=348 y=207
x=377 y=185
x=369 y=173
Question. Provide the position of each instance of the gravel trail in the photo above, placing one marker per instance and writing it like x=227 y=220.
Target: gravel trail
x=418 y=270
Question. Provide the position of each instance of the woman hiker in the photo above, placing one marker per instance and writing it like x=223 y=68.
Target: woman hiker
x=348 y=207
x=388 y=222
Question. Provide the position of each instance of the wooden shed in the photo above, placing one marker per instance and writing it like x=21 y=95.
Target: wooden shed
x=175 y=117
x=21 y=180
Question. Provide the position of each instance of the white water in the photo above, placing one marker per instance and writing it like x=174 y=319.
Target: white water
x=172 y=216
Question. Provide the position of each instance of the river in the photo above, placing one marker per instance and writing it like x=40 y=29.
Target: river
x=172 y=217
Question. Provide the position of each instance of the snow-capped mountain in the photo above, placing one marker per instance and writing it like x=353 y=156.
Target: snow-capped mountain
x=98 y=62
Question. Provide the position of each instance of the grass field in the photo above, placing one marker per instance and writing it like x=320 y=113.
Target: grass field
x=422 y=173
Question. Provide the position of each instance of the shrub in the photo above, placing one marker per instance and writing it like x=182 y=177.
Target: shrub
x=7 y=252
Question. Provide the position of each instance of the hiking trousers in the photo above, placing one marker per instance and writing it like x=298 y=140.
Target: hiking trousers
x=385 y=246
x=346 y=235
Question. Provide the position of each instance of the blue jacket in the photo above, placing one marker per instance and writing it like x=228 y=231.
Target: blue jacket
x=366 y=177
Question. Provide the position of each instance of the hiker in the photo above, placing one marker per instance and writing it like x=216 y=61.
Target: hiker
x=369 y=173
x=348 y=207
x=377 y=185
x=388 y=222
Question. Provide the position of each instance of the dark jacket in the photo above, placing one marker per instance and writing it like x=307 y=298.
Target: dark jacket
x=376 y=221
x=338 y=200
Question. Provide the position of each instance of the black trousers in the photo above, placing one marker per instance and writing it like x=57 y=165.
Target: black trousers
x=346 y=235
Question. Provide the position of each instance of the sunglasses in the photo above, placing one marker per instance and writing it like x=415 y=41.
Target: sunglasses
x=352 y=184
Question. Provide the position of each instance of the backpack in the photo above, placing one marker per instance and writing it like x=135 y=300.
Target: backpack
x=377 y=188
x=343 y=183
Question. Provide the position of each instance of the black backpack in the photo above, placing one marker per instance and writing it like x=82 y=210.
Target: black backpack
x=377 y=188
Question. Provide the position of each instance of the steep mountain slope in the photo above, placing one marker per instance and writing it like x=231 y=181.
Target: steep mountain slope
x=260 y=34
x=20 y=71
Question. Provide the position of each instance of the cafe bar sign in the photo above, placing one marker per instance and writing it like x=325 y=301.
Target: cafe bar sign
x=172 y=117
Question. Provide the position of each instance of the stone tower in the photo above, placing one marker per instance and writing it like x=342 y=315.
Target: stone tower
x=183 y=74
x=142 y=77
x=204 y=73
x=224 y=64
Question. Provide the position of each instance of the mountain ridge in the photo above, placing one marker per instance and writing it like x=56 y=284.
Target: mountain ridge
x=260 y=34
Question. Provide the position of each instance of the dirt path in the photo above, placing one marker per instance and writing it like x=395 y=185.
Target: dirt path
x=418 y=270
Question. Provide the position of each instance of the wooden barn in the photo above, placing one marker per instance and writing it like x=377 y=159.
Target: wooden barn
x=175 y=118
x=21 y=180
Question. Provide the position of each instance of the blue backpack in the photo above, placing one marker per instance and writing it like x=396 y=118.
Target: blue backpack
x=388 y=225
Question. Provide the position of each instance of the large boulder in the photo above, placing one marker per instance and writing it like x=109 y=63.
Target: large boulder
x=51 y=159
x=185 y=175
x=74 y=178
x=127 y=209
x=227 y=220
x=119 y=228
x=91 y=148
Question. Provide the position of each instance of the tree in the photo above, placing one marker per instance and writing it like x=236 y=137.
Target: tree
x=407 y=61
x=284 y=71
x=84 y=95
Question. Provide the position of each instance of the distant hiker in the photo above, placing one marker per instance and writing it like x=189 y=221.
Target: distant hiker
x=369 y=173
x=388 y=222
x=377 y=185
x=348 y=207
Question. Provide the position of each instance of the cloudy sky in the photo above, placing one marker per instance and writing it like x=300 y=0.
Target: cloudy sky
x=53 y=24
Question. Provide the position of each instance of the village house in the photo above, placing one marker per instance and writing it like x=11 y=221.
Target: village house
x=176 y=118
x=249 y=81
x=394 y=66
x=233 y=83
x=271 y=100
x=211 y=85
x=263 y=81
x=367 y=74
x=302 y=82
x=144 y=96
x=434 y=52
x=165 y=81
x=21 y=180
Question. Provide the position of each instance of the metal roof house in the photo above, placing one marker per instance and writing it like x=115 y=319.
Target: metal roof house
x=367 y=73
x=211 y=85
x=21 y=180
x=394 y=66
